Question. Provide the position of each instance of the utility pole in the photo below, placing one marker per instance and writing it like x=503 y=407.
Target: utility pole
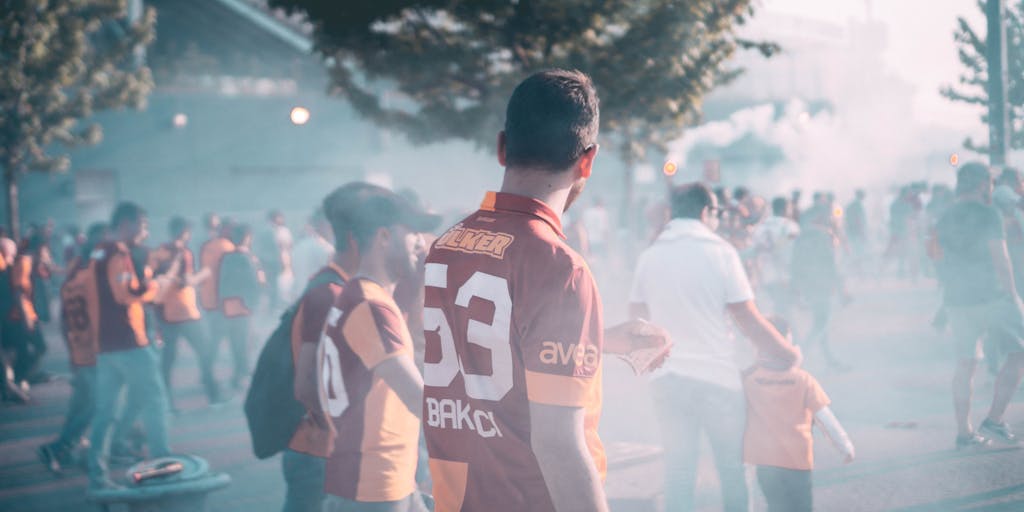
x=995 y=44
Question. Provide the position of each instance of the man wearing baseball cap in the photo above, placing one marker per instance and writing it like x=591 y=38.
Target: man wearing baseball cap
x=370 y=388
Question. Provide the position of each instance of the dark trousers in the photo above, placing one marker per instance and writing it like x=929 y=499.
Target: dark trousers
x=786 y=490
x=28 y=347
x=237 y=330
x=304 y=477
x=192 y=331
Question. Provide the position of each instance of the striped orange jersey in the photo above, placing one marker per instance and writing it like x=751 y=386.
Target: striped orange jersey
x=80 y=313
x=179 y=302
x=122 y=320
x=512 y=316
x=375 y=453
x=210 y=256
x=307 y=326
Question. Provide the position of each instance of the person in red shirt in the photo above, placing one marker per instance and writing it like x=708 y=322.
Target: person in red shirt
x=370 y=386
x=178 y=311
x=513 y=324
x=126 y=359
x=79 y=306
x=303 y=462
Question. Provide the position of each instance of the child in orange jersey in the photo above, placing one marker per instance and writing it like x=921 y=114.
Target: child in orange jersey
x=782 y=405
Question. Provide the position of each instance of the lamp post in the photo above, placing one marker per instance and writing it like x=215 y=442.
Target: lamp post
x=995 y=44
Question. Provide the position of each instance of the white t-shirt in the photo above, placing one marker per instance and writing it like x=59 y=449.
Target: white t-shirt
x=310 y=254
x=686 y=279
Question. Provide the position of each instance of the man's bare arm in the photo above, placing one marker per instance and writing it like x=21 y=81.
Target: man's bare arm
x=559 y=443
x=401 y=375
x=765 y=337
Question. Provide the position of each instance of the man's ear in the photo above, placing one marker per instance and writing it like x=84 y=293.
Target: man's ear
x=585 y=164
x=501 y=148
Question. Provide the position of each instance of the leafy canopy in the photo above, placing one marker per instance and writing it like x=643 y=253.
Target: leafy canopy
x=972 y=85
x=60 y=61
x=441 y=69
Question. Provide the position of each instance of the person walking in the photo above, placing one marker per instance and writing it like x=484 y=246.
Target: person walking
x=981 y=299
x=691 y=281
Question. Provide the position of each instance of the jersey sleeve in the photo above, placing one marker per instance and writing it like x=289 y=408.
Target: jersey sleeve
x=375 y=333
x=815 y=398
x=312 y=311
x=561 y=340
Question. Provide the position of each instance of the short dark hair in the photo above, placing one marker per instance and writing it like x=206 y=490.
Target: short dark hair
x=779 y=205
x=178 y=225
x=552 y=118
x=970 y=176
x=238 y=232
x=690 y=199
x=740 y=193
x=334 y=208
x=126 y=212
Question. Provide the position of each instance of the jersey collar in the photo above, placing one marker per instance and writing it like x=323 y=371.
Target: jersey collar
x=504 y=202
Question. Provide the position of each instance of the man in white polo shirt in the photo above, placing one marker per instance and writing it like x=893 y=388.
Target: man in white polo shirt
x=689 y=280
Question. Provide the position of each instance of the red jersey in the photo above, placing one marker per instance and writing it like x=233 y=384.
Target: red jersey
x=79 y=305
x=122 y=320
x=512 y=316
x=179 y=302
x=375 y=453
x=210 y=256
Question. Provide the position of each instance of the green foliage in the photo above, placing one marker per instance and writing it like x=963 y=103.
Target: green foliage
x=441 y=69
x=972 y=85
x=60 y=61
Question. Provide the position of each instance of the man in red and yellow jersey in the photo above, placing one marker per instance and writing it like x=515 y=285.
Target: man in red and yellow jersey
x=126 y=359
x=211 y=256
x=371 y=388
x=177 y=311
x=513 y=324
x=303 y=463
x=79 y=304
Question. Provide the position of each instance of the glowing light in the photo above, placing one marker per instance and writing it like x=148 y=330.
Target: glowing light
x=837 y=212
x=805 y=117
x=954 y=159
x=670 y=168
x=179 y=120
x=299 y=116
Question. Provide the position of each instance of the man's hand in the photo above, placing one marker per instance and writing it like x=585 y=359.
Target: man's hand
x=635 y=335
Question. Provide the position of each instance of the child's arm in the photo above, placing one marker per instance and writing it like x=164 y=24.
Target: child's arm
x=828 y=424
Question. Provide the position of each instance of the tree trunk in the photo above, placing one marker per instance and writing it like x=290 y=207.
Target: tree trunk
x=11 y=183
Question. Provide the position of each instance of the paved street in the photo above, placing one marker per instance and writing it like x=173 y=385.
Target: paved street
x=895 y=403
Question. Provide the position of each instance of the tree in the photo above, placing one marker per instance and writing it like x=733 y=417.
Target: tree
x=60 y=61
x=972 y=85
x=440 y=69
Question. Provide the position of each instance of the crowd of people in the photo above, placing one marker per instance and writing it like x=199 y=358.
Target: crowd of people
x=463 y=371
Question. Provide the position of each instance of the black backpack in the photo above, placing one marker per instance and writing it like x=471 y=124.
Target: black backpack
x=271 y=409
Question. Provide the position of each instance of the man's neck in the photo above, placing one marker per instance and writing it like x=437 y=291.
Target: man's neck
x=547 y=187
x=373 y=268
x=346 y=261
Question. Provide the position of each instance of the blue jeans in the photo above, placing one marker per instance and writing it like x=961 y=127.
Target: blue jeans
x=138 y=371
x=685 y=407
x=80 y=406
x=304 y=477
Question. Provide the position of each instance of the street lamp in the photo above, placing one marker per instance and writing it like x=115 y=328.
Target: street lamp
x=299 y=116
